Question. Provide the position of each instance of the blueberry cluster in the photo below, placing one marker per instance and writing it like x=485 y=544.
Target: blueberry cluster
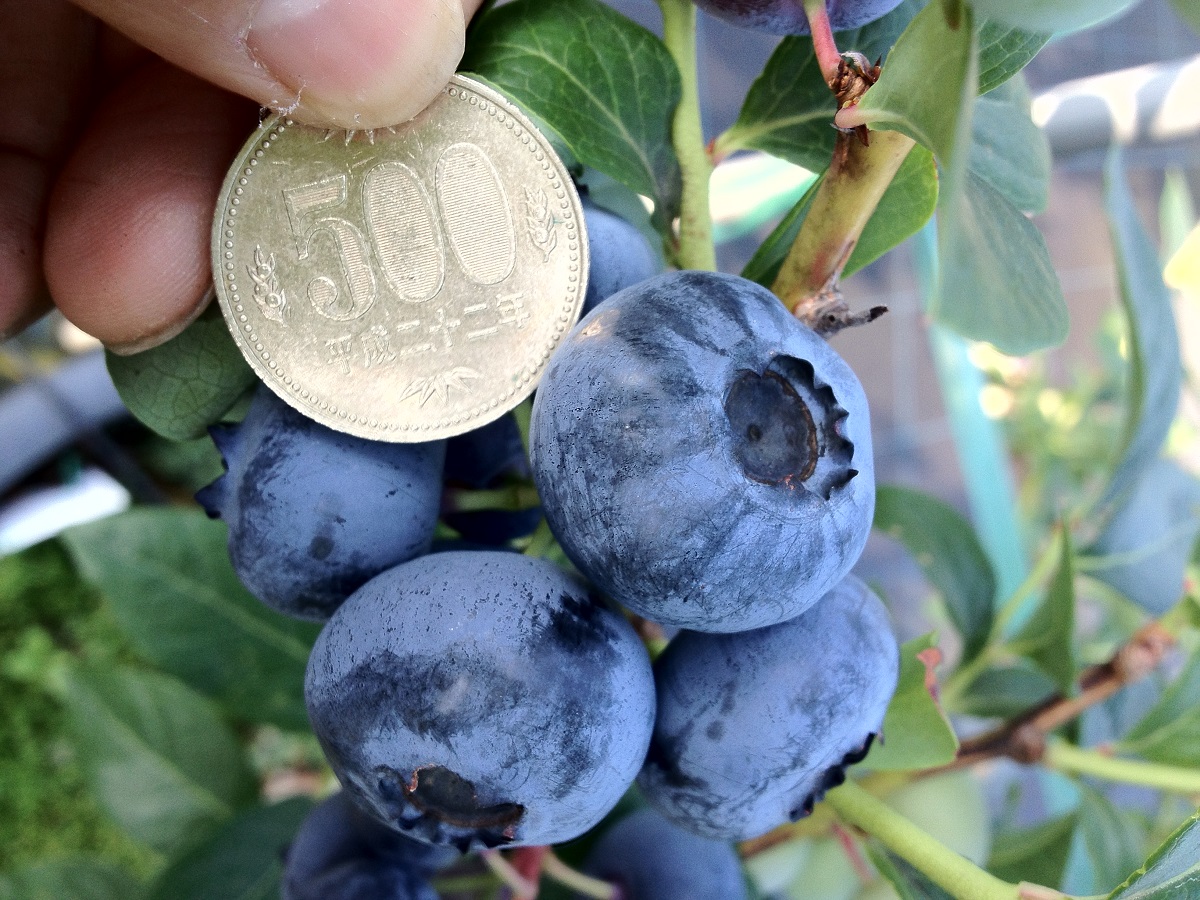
x=704 y=460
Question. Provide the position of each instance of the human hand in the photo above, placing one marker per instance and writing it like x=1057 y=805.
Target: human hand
x=111 y=157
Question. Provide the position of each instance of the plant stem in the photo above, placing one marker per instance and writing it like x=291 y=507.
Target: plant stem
x=503 y=869
x=828 y=57
x=515 y=496
x=555 y=869
x=696 y=250
x=1065 y=757
x=852 y=187
x=943 y=866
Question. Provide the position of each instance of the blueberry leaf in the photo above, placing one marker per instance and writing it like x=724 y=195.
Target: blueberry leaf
x=1046 y=637
x=1037 y=854
x=1155 y=367
x=1009 y=151
x=1007 y=691
x=166 y=577
x=1171 y=872
x=1038 y=15
x=903 y=210
x=996 y=281
x=1170 y=730
x=242 y=860
x=181 y=387
x=1004 y=51
x=606 y=85
x=1108 y=844
x=945 y=547
x=917 y=734
x=789 y=109
x=159 y=759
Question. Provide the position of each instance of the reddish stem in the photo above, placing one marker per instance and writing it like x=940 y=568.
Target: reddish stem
x=828 y=57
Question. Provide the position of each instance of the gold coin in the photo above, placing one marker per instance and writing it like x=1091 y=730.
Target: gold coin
x=406 y=284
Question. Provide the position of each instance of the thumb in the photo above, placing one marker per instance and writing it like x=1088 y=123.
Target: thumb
x=348 y=63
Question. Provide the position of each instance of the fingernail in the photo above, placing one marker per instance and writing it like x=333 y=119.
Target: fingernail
x=358 y=63
x=161 y=335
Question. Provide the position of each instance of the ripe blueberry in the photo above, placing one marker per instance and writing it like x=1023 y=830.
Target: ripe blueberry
x=753 y=728
x=787 y=16
x=703 y=457
x=342 y=854
x=314 y=513
x=619 y=255
x=651 y=859
x=481 y=698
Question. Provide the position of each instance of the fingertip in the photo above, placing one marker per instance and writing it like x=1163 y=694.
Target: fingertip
x=359 y=63
x=127 y=255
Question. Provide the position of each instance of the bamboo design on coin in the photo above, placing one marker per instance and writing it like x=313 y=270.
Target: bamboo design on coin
x=402 y=285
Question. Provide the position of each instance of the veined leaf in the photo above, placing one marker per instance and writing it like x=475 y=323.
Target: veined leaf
x=606 y=85
x=1172 y=872
x=1156 y=369
x=1046 y=638
x=1060 y=15
x=158 y=757
x=1170 y=731
x=945 y=547
x=181 y=387
x=166 y=576
x=1008 y=151
x=917 y=733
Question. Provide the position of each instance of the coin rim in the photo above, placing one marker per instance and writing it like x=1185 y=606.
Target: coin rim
x=359 y=428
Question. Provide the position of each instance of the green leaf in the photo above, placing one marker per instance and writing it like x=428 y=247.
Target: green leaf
x=1155 y=368
x=1170 y=731
x=928 y=85
x=789 y=109
x=68 y=879
x=608 y=87
x=1111 y=842
x=1009 y=152
x=918 y=734
x=996 y=281
x=1007 y=691
x=166 y=576
x=903 y=210
x=181 y=387
x=910 y=884
x=945 y=547
x=1037 y=854
x=1144 y=549
x=1046 y=636
x=1059 y=15
x=1004 y=51
x=158 y=758
x=1189 y=12
x=1172 y=872
x=241 y=861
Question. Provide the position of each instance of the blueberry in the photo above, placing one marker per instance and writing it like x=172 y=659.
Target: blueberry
x=753 y=728
x=787 y=16
x=340 y=853
x=703 y=457
x=478 y=699
x=651 y=859
x=314 y=513
x=1150 y=537
x=619 y=255
x=489 y=457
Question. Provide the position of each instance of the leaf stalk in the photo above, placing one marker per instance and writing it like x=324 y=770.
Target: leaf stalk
x=696 y=249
